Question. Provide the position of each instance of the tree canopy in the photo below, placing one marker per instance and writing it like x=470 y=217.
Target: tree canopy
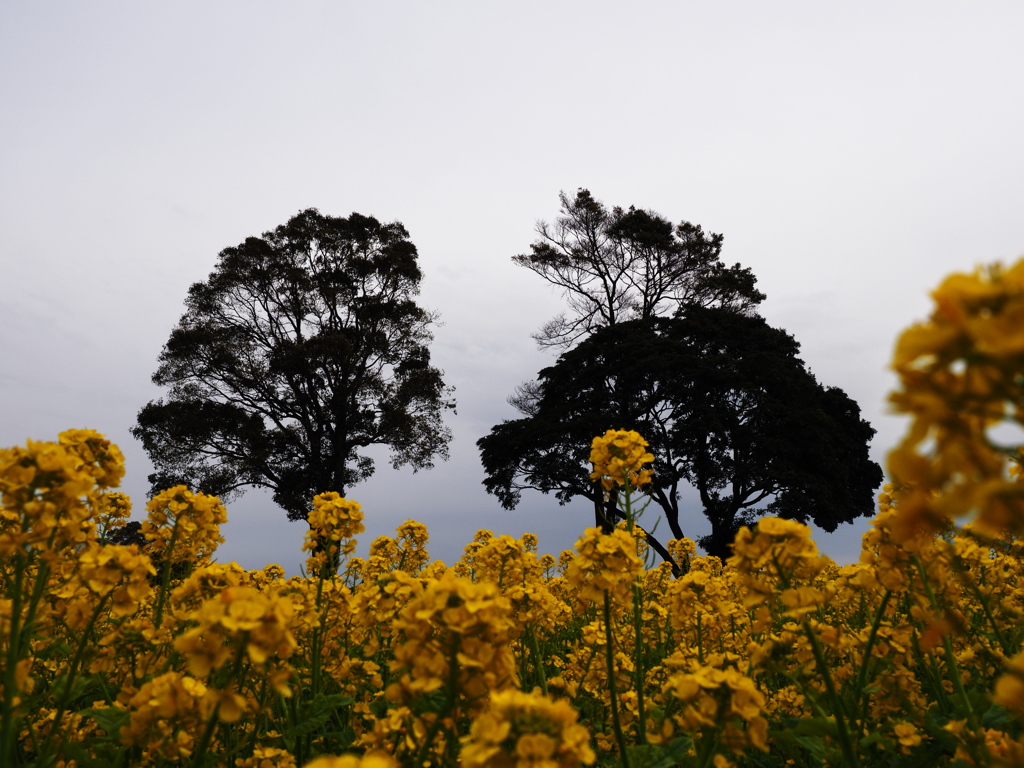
x=302 y=348
x=728 y=408
x=618 y=265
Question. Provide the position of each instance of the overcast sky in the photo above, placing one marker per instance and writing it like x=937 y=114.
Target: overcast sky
x=852 y=154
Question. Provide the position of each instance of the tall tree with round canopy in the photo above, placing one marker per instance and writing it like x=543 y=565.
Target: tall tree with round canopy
x=302 y=348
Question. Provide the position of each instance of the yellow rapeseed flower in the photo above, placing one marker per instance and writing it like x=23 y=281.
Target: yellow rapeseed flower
x=453 y=615
x=618 y=457
x=44 y=489
x=182 y=526
x=166 y=714
x=907 y=735
x=706 y=697
x=101 y=459
x=369 y=760
x=258 y=622
x=960 y=377
x=334 y=522
x=604 y=562
x=1009 y=690
x=267 y=757
x=526 y=730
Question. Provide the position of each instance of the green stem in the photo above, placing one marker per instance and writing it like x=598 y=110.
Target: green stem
x=199 y=756
x=449 y=699
x=930 y=673
x=638 y=646
x=965 y=578
x=947 y=645
x=10 y=672
x=849 y=755
x=72 y=675
x=38 y=589
x=862 y=673
x=260 y=720
x=638 y=664
x=708 y=747
x=317 y=633
x=700 y=639
x=20 y=635
x=291 y=707
x=165 y=579
x=538 y=661
x=610 y=659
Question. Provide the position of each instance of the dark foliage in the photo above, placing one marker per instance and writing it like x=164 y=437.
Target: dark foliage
x=128 y=534
x=619 y=265
x=303 y=347
x=728 y=409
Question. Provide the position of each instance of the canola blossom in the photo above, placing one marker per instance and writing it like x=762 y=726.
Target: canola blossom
x=618 y=458
x=961 y=383
x=158 y=655
x=501 y=659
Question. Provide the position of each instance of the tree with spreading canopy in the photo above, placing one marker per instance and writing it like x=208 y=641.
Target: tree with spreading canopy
x=303 y=348
x=727 y=407
x=662 y=337
x=618 y=265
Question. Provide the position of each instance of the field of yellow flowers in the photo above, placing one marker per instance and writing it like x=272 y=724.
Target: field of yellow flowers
x=114 y=655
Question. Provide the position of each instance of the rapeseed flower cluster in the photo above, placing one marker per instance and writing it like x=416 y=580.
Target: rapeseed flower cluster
x=183 y=527
x=618 y=458
x=157 y=655
x=527 y=730
x=604 y=563
x=334 y=523
x=710 y=699
x=453 y=633
x=960 y=381
x=505 y=658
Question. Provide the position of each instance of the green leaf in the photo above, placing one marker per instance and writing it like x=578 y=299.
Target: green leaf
x=79 y=687
x=876 y=738
x=313 y=715
x=98 y=754
x=659 y=755
x=817 y=726
x=110 y=719
x=997 y=717
x=796 y=746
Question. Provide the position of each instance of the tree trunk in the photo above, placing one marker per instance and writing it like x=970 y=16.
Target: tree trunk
x=606 y=519
x=723 y=532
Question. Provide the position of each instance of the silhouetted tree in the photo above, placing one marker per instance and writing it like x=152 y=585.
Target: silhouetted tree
x=303 y=347
x=728 y=408
x=129 y=533
x=618 y=265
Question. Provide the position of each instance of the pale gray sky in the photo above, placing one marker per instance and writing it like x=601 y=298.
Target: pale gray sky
x=851 y=153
